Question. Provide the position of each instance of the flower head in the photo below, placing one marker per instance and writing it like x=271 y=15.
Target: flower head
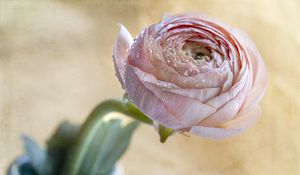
x=193 y=73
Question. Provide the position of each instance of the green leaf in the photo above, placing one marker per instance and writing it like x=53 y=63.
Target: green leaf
x=58 y=146
x=37 y=155
x=51 y=161
x=92 y=149
x=64 y=136
x=21 y=166
x=116 y=144
x=101 y=147
x=136 y=113
x=164 y=133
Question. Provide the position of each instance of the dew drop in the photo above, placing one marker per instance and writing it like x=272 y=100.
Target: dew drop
x=185 y=73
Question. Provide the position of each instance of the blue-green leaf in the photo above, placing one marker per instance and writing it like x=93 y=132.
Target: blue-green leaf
x=37 y=155
x=103 y=144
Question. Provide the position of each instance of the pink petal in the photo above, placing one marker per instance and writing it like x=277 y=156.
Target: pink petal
x=194 y=16
x=229 y=110
x=260 y=77
x=140 y=54
x=214 y=78
x=259 y=85
x=243 y=121
x=224 y=98
x=122 y=46
x=215 y=133
x=148 y=102
x=200 y=95
x=147 y=56
x=187 y=110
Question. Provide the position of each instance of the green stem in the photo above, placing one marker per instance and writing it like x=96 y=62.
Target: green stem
x=123 y=106
x=89 y=128
x=85 y=137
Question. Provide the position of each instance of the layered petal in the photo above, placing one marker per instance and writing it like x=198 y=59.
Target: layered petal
x=191 y=72
x=177 y=105
x=147 y=101
x=243 y=121
x=120 y=53
x=228 y=111
x=260 y=78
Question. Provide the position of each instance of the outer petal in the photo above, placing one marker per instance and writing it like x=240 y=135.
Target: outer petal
x=215 y=133
x=260 y=77
x=244 y=120
x=200 y=95
x=224 y=98
x=260 y=82
x=230 y=109
x=255 y=93
x=195 y=16
x=122 y=46
x=147 y=101
x=186 y=110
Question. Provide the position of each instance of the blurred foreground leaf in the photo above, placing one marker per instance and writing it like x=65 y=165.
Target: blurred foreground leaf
x=51 y=160
x=21 y=166
x=97 y=152
x=59 y=145
x=37 y=155
x=92 y=149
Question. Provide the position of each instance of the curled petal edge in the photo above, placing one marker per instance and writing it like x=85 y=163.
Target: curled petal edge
x=243 y=120
x=120 y=53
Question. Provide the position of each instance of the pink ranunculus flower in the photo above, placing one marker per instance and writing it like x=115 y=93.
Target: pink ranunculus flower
x=193 y=73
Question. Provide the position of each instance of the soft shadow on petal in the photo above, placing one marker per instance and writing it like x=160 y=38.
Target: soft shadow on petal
x=243 y=120
x=187 y=110
x=193 y=16
x=260 y=81
x=223 y=98
x=260 y=77
x=200 y=95
x=148 y=102
x=120 y=52
x=215 y=133
x=230 y=109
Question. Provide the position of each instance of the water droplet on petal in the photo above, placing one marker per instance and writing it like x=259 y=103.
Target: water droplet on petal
x=185 y=73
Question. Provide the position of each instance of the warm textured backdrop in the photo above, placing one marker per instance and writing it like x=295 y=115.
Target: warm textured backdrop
x=55 y=64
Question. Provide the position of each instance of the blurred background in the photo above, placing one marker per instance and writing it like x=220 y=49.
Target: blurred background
x=56 y=64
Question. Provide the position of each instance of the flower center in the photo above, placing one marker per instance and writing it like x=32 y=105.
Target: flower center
x=197 y=52
x=201 y=56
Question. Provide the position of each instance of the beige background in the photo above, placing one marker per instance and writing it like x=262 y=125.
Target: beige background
x=55 y=64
